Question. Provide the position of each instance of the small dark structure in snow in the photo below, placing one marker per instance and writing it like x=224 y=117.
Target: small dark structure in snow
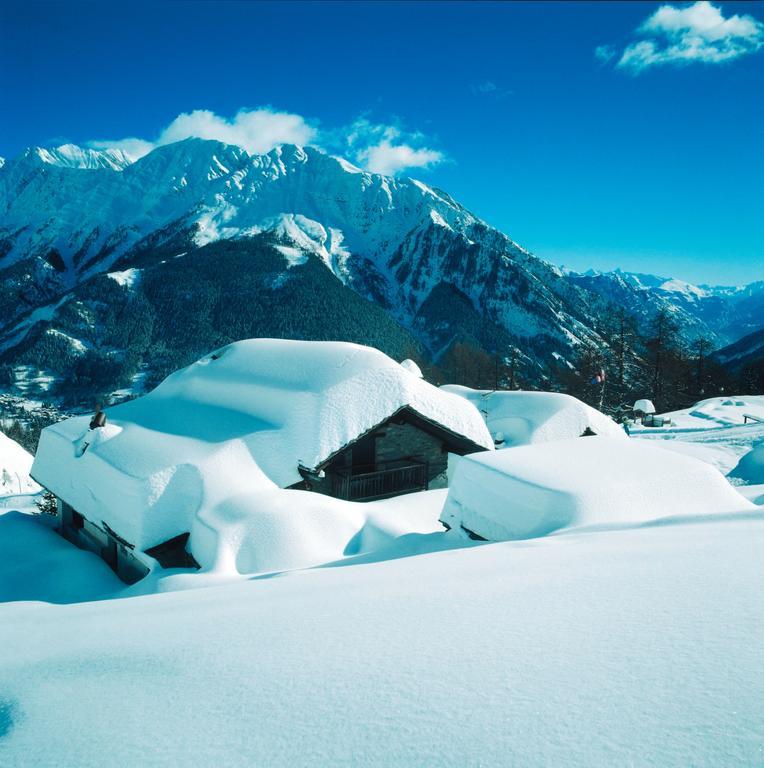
x=644 y=411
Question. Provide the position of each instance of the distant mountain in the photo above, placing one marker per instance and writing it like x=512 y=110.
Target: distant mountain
x=743 y=352
x=721 y=314
x=70 y=215
x=113 y=272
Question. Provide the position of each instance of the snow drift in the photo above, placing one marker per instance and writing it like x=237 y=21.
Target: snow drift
x=531 y=491
x=622 y=648
x=520 y=418
x=750 y=468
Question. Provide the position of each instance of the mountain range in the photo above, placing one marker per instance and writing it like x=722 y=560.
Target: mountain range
x=112 y=271
x=720 y=314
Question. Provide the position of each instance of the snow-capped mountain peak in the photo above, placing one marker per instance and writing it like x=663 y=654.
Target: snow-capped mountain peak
x=72 y=156
x=397 y=241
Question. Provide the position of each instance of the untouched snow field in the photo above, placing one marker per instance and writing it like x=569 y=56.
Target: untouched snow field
x=631 y=646
x=637 y=647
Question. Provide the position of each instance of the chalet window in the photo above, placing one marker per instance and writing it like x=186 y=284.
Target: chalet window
x=78 y=521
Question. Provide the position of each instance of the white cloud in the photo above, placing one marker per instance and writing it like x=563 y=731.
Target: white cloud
x=390 y=159
x=697 y=33
x=256 y=130
x=387 y=149
x=379 y=148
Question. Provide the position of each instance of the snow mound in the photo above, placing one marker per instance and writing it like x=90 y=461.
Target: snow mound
x=193 y=454
x=644 y=405
x=15 y=465
x=278 y=530
x=521 y=418
x=531 y=491
x=750 y=468
x=38 y=564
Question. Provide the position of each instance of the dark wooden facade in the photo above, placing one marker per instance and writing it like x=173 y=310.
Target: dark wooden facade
x=403 y=454
x=118 y=554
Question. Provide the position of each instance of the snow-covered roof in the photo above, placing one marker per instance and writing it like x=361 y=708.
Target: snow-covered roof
x=15 y=464
x=242 y=418
x=533 y=490
x=644 y=405
x=520 y=418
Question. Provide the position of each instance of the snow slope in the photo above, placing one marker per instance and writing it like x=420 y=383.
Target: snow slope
x=711 y=413
x=38 y=564
x=15 y=464
x=630 y=647
x=591 y=648
x=72 y=156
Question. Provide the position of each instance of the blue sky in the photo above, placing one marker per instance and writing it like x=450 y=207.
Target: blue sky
x=594 y=134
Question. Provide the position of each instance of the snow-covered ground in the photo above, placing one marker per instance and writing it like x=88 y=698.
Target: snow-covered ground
x=625 y=646
x=713 y=430
x=712 y=413
x=631 y=647
x=15 y=464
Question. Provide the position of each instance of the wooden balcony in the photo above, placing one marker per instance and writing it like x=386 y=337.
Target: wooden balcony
x=381 y=482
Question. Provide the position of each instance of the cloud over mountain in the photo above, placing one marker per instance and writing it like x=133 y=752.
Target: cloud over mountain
x=378 y=147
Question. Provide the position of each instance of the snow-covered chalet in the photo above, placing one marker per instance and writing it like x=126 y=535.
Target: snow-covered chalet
x=330 y=417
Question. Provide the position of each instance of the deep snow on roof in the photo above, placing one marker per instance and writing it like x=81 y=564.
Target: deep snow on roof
x=536 y=417
x=533 y=490
x=243 y=418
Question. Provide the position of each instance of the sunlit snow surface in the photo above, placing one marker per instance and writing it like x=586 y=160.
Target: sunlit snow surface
x=15 y=464
x=631 y=647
